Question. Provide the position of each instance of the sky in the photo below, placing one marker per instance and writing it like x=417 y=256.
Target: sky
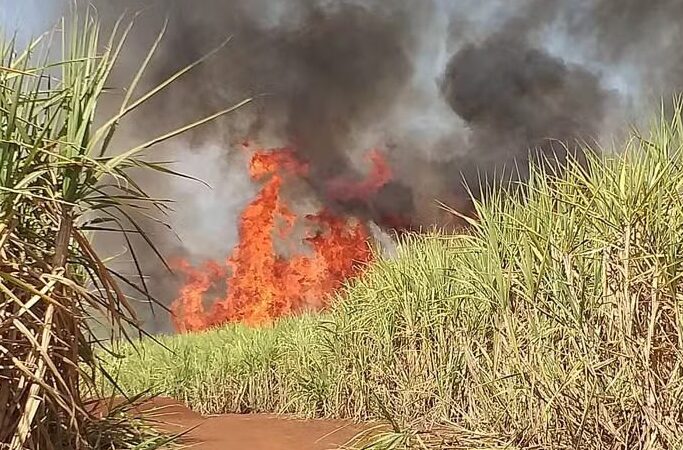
x=27 y=17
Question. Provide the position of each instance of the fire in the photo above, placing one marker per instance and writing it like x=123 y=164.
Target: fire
x=380 y=174
x=261 y=284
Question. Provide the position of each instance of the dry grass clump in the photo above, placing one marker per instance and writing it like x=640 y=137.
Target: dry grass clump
x=60 y=182
x=558 y=323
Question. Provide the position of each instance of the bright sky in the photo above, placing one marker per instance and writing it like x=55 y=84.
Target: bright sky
x=27 y=17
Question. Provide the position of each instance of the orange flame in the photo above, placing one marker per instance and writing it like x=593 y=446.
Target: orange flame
x=380 y=174
x=262 y=285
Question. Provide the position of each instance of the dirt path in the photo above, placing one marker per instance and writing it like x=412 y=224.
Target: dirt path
x=254 y=432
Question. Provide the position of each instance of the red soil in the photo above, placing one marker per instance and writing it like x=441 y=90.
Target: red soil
x=246 y=431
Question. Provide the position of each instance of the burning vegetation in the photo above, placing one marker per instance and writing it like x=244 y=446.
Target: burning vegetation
x=261 y=284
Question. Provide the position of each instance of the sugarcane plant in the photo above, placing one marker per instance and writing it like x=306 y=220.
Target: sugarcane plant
x=61 y=181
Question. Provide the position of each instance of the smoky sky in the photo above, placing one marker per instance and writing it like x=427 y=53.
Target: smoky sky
x=326 y=72
x=529 y=101
x=447 y=89
x=335 y=77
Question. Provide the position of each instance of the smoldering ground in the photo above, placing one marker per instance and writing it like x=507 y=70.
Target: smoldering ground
x=448 y=89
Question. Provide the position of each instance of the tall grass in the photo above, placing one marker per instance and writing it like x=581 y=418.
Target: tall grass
x=555 y=323
x=60 y=182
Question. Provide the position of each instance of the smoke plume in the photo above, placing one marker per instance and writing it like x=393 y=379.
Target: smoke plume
x=445 y=89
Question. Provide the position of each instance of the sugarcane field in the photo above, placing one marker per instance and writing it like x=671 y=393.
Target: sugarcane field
x=341 y=224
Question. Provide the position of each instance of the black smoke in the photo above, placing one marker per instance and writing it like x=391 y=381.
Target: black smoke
x=332 y=72
x=528 y=101
x=324 y=72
